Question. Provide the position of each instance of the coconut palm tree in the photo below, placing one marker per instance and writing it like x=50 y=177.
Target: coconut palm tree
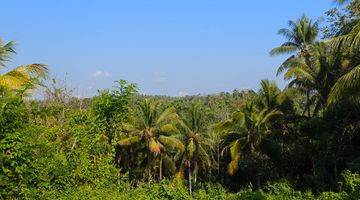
x=300 y=35
x=349 y=35
x=268 y=95
x=347 y=86
x=215 y=139
x=195 y=157
x=348 y=39
x=153 y=131
x=328 y=70
x=23 y=77
x=246 y=128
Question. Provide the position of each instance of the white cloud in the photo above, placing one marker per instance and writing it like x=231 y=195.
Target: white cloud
x=100 y=73
x=183 y=93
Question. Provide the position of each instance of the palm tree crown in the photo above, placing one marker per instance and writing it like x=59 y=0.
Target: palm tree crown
x=22 y=77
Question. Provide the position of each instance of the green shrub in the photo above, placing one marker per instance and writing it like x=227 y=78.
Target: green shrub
x=351 y=184
x=284 y=191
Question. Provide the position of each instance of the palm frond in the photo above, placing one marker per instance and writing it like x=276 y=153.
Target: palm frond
x=172 y=143
x=235 y=149
x=6 y=50
x=169 y=128
x=34 y=70
x=168 y=115
x=346 y=86
x=204 y=157
x=233 y=166
x=154 y=146
x=129 y=141
x=129 y=128
x=284 y=49
x=14 y=79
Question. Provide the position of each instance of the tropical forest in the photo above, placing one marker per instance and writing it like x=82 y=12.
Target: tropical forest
x=301 y=141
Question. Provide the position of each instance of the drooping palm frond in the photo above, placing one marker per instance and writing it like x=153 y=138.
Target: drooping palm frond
x=130 y=128
x=24 y=77
x=300 y=73
x=268 y=94
x=129 y=141
x=6 y=51
x=233 y=166
x=286 y=48
x=204 y=157
x=154 y=146
x=167 y=115
x=13 y=79
x=172 y=142
x=346 y=86
x=169 y=129
x=34 y=70
x=350 y=40
x=265 y=116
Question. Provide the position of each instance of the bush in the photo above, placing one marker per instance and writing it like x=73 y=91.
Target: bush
x=351 y=184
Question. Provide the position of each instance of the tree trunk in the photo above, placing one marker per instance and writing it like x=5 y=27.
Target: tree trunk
x=313 y=166
x=335 y=171
x=190 y=186
x=196 y=169
x=282 y=157
x=148 y=166
x=218 y=161
x=160 y=168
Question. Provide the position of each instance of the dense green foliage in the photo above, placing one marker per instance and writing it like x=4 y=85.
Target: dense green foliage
x=300 y=142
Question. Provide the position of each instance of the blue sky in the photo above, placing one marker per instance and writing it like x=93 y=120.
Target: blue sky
x=166 y=47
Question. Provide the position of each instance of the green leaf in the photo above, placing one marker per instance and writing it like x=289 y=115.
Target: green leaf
x=129 y=141
x=172 y=143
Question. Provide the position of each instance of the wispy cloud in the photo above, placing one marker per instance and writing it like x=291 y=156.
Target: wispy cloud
x=183 y=93
x=100 y=73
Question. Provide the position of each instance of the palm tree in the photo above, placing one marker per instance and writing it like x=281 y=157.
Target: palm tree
x=23 y=77
x=328 y=70
x=347 y=86
x=300 y=35
x=246 y=128
x=195 y=156
x=154 y=131
x=215 y=138
x=268 y=95
x=349 y=35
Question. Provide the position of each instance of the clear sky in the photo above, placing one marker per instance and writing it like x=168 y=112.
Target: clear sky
x=165 y=46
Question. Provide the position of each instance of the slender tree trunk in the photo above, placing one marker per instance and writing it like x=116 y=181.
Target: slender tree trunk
x=282 y=157
x=190 y=186
x=196 y=169
x=335 y=170
x=313 y=166
x=160 y=168
x=148 y=166
x=218 y=162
